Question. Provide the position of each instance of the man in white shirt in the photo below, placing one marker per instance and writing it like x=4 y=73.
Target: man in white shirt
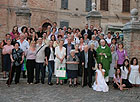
x=24 y=45
x=40 y=59
x=108 y=39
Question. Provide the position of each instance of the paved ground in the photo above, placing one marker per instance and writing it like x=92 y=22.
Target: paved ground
x=44 y=93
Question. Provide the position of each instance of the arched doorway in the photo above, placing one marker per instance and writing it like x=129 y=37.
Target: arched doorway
x=45 y=25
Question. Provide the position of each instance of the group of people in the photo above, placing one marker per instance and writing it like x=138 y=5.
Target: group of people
x=69 y=53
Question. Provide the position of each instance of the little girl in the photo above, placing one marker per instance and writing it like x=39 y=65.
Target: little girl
x=134 y=77
x=100 y=84
x=118 y=80
x=125 y=73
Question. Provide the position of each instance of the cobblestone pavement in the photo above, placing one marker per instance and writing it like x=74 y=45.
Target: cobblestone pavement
x=63 y=93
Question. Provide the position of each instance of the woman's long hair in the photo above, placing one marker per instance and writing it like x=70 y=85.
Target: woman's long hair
x=126 y=60
x=132 y=60
x=98 y=65
x=116 y=75
x=13 y=31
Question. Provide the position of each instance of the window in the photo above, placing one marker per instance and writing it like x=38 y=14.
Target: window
x=88 y=5
x=64 y=23
x=126 y=6
x=64 y=4
x=104 y=5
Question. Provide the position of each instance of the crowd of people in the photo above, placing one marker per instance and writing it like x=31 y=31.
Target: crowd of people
x=69 y=54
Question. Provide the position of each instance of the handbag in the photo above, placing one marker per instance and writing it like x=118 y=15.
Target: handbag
x=23 y=68
x=61 y=71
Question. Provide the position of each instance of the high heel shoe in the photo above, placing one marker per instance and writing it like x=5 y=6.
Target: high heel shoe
x=70 y=85
x=57 y=83
x=61 y=83
x=75 y=85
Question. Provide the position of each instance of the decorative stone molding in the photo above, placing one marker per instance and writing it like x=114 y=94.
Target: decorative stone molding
x=23 y=14
x=94 y=17
x=24 y=3
x=134 y=14
x=93 y=6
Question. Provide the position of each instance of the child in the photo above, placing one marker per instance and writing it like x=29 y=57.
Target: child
x=125 y=72
x=134 y=77
x=118 y=80
x=100 y=84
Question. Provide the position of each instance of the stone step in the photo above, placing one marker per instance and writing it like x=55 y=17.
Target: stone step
x=21 y=78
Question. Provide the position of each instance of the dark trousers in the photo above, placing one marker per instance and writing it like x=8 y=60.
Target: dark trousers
x=6 y=62
x=116 y=86
x=39 y=68
x=50 y=69
x=127 y=83
x=14 y=69
x=30 y=64
x=87 y=76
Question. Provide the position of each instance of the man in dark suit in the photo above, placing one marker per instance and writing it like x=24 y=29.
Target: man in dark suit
x=87 y=31
x=88 y=62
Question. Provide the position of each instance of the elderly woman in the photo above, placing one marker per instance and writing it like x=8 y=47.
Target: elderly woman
x=17 y=58
x=91 y=48
x=72 y=67
x=60 y=60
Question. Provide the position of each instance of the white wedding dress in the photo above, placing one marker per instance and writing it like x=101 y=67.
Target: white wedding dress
x=101 y=84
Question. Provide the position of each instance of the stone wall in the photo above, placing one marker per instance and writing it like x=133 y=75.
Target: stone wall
x=42 y=11
x=132 y=43
x=132 y=35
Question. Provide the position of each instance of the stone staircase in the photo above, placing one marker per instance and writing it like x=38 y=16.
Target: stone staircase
x=21 y=77
x=2 y=79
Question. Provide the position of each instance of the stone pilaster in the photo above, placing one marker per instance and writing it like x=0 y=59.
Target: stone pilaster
x=23 y=15
x=94 y=17
x=131 y=32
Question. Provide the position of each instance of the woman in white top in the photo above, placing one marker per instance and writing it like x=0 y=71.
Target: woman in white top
x=125 y=73
x=60 y=60
x=100 y=84
x=134 y=77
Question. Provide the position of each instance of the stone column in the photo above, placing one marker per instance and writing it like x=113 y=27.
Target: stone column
x=94 y=17
x=131 y=32
x=23 y=15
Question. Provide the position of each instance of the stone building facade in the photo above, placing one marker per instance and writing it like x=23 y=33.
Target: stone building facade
x=65 y=12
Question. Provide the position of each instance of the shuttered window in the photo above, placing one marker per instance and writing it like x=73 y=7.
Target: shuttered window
x=64 y=4
x=88 y=5
x=104 y=5
x=126 y=6
x=64 y=23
